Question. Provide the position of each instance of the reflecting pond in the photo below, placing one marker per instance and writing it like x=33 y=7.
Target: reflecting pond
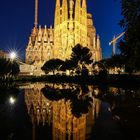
x=42 y=111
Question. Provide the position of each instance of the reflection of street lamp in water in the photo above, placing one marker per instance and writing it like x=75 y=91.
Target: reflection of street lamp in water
x=12 y=100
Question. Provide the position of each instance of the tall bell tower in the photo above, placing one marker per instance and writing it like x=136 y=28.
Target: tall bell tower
x=72 y=25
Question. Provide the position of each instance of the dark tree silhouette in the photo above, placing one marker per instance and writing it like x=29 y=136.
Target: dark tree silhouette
x=80 y=102
x=114 y=61
x=52 y=65
x=68 y=65
x=130 y=45
x=14 y=68
x=8 y=68
x=81 y=56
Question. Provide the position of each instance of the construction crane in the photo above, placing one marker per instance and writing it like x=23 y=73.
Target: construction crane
x=114 y=41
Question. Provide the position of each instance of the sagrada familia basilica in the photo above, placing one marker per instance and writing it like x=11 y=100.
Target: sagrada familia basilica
x=72 y=25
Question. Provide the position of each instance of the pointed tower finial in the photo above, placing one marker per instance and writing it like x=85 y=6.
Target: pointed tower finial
x=30 y=41
x=98 y=41
x=36 y=14
x=64 y=10
x=71 y=8
x=84 y=12
x=99 y=50
x=77 y=10
x=84 y=5
x=57 y=13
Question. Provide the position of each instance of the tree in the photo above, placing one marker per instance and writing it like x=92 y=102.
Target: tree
x=114 y=61
x=8 y=68
x=14 y=68
x=52 y=65
x=130 y=45
x=2 y=63
x=68 y=65
x=81 y=56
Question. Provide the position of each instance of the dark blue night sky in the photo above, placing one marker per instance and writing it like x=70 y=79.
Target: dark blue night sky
x=17 y=18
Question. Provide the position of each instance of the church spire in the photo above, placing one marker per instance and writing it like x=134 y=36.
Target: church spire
x=84 y=5
x=57 y=13
x=64 y=10
x=84 y=12
x=36 y=14
x=77 y=10
x=71 y=9
x=99 y=50
x=98 y=42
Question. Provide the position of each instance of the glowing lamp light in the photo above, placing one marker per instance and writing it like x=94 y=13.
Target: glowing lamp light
x=13 y=55
x=12 y=100
x=96 y=92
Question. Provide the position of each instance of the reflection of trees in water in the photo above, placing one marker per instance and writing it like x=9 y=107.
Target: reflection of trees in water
x=124 y=105
x=115 y=95
x=65 y=125
x=81 y=105
x=126 y=111
x=71 y=112
x=80 y=101
x=72 y=109
x=57 y=93
x=10 y=84
x=112 y=95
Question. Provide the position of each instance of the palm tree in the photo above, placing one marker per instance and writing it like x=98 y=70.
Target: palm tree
x=81 y=56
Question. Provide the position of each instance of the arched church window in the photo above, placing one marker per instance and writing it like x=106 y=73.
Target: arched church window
x=30 y=60
x=36 y=58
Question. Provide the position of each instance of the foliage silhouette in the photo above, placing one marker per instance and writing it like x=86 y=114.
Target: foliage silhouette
x=81 y=55
x=52 y=65
x=80 y=102
x=130 y=45
x=8 y=68
x=68 y=65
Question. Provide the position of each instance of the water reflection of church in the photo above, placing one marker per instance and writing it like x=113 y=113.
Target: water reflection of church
x=58 y=114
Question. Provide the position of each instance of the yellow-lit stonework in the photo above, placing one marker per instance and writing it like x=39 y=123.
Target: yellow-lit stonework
x=58 y=114
x=72 y=25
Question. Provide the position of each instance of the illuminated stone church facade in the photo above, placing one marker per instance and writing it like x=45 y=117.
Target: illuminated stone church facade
x=72 y=25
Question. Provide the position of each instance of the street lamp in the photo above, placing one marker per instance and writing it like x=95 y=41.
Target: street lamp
x=13 y=55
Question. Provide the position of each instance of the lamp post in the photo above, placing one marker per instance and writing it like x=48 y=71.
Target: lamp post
x=14 y=64
x=13 y=55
